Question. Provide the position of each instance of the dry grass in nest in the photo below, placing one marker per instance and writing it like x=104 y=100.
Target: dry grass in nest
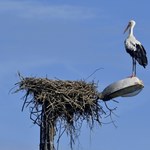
x=68 y=103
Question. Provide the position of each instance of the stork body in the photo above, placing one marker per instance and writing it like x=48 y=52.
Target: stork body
x=135 y=49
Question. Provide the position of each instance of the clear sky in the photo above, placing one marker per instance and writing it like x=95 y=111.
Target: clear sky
x=69 y=39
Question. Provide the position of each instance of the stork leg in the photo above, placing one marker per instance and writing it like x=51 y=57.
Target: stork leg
x=133 y=67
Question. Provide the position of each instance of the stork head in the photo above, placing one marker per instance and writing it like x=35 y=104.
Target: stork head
x=130 y=24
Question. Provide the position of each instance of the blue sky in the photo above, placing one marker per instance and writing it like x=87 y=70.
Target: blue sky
x=69 y=40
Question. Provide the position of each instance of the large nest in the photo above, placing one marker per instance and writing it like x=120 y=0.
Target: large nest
x=68 y=103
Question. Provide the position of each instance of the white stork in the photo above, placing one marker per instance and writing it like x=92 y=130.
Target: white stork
x=135 y=48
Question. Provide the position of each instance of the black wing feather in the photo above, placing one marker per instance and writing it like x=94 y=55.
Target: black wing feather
x=140 y=55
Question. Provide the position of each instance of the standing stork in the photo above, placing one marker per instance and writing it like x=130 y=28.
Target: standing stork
x=135 y=49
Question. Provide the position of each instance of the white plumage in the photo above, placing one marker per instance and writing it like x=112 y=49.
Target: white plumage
x=135 y=48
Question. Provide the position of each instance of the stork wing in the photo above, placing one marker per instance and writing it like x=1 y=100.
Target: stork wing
x=140 y=55
x=136 y=50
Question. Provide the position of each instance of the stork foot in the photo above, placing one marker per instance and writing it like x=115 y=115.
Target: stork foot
x=133 y=75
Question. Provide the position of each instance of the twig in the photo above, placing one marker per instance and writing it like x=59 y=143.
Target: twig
x=93 y=73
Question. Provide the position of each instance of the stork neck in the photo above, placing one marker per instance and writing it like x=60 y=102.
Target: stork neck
x=131 y=31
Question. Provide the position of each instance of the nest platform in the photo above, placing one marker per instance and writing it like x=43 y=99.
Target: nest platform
x=60 y=106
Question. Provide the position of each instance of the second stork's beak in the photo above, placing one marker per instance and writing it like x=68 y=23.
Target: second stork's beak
x=128 y=26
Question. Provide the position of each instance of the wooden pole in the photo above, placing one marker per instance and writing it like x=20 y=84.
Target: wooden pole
x=46 y=130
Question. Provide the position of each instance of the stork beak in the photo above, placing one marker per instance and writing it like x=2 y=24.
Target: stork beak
x=127 y=28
